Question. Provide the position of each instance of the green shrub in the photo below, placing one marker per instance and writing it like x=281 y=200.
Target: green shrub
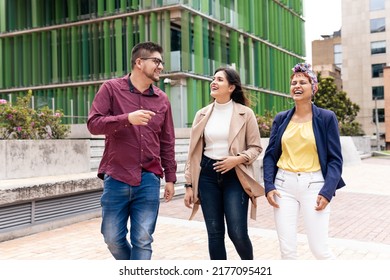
x=22 y=122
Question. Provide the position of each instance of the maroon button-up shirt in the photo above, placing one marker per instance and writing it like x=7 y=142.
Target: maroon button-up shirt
x=131 y=148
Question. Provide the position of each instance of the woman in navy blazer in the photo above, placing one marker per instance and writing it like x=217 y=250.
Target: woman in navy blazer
x=302 y=167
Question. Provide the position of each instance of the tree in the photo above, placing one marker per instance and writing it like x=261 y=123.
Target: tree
x=328 y=97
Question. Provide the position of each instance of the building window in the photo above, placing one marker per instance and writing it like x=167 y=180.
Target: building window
x=378 y=93
x=377 y=5
x=377 y=70
x=338 y=58
x=381 y=115
x=377 y=25
x=378 y=47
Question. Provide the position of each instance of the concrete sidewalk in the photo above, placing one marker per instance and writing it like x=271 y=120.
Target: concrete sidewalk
x=359 y=228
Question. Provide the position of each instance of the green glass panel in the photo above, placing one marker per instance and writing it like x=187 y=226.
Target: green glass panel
x=247 y=16
x=206 y=45
x=80 y=109
x=16 y=62
x=34 y=12
x=242 y=55
x=26 y=55
x=72 y=10
x=130 y=39
x=58 y=99
x=227 y=14
x=146 y=4
x=35 y=59
x=198 y=44
x=134 y=5
x=153 y=27
x=90 y=97
x=118 y=47
x=251 y=62
x=204 y=7
x=185 y=41
x=74 y=53
x=217 y=46
x=58 y=12
x=192 y=92
x=107 y=49
x=100 y=7
x=45 y=58
x=70 y=100
x=110 y=6
x=64 y=56
x=142 y=28
x=206 y=97
x=85 y=52
x=166 y=44
x=233 y=46
x=123 y=6
x=3 y=16
x=94 y=51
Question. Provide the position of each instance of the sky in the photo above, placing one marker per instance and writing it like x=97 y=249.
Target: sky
x=322 y=18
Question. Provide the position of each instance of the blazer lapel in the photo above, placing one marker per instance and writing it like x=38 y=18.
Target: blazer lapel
x=237 y=122
x=198 y=127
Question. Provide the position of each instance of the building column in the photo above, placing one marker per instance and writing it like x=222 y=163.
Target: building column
x=386 y=78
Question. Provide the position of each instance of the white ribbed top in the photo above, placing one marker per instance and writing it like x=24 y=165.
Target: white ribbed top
x=217 y=131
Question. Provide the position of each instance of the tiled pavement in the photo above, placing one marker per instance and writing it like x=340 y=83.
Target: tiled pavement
x=359 y=228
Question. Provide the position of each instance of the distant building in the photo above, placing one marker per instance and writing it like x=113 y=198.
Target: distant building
x=366 y=43
x=386 y=76
x=327 y=57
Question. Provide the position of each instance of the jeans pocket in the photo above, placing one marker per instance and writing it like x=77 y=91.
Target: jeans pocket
x=315 y=184
x=279 y=182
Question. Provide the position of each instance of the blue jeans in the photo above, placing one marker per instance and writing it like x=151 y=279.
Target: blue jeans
x=222 y=197
x=120 y=202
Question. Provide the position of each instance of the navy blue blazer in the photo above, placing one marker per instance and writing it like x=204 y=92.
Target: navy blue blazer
x=327 y=137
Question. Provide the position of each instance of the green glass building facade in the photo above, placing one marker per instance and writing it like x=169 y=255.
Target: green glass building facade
x=64 y=49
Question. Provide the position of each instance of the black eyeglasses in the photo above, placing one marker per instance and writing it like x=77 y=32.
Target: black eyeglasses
x=156 y=60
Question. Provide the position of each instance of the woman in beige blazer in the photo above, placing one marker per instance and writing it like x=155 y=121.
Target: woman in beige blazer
x=224 y=143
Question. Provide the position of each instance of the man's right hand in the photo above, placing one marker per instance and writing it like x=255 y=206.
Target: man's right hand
x=140 y=117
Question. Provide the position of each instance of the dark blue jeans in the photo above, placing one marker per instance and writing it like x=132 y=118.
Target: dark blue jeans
x=222 y=197
x=121 y=202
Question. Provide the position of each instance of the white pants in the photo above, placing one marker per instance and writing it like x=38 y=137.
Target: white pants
x=299 y=192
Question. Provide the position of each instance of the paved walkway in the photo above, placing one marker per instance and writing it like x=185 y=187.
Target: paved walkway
x=360 y=228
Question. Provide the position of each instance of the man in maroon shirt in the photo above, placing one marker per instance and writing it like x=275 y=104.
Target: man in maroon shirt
x=136 y=118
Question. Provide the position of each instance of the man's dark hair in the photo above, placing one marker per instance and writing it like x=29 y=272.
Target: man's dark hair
x=144 y=50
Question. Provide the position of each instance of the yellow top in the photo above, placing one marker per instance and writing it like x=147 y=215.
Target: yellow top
x=299 y=150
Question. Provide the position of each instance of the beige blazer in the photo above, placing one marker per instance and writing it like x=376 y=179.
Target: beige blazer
x=244 y=139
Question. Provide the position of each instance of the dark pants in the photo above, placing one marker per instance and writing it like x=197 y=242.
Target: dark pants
x=222 y=196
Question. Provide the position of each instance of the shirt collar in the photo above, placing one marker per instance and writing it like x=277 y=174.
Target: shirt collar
x=133 y=89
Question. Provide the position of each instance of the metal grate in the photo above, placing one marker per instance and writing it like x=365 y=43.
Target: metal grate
x=66 y=206
x=15 y=215
x=24 y=215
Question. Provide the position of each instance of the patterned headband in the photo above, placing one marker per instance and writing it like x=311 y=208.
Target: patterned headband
x=305 y=68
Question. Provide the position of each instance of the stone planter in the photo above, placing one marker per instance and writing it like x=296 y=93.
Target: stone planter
x=37 y=158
